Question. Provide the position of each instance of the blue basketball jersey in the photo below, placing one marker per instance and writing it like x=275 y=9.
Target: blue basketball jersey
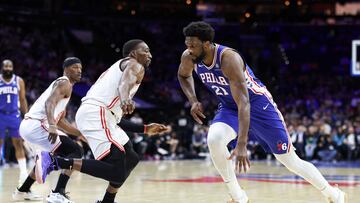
x=214 y=79
x=9 y=95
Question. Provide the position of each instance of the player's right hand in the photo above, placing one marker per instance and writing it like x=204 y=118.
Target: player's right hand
x=197 y=112
x=52 y=134
x=127 y=106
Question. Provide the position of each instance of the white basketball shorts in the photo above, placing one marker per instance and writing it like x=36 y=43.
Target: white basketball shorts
x=99 y=127
x=36 y=133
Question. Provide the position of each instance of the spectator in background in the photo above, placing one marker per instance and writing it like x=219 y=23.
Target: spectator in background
x=326 y=149
x=311 y=142
x=199 y=139
x=338 y=138
x=298 y=139
x=184 y=130
x=325 y=128
x=140 y=144
x=173 y=143
x=357 y=140
x=351 y=144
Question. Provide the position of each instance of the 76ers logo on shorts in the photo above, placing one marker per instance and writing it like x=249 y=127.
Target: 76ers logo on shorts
x=281 y=146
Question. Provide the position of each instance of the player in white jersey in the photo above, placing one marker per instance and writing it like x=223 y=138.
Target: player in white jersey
x=102 y=108
x=41 y=127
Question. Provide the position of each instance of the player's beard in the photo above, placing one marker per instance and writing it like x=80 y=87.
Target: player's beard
x=200 y=58
x=7 y=74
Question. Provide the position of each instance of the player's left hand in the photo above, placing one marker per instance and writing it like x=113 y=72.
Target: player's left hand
x=156 y=128
x=241 y=158
x=127 y=106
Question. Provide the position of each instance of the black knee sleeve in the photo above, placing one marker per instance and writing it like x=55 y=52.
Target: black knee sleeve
x=119 y=175
x=132 y=159
x=78 y=152
x=117 y=159
x=107 y=171
x=69 y=148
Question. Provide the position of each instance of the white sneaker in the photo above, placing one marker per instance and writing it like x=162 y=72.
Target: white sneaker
x=21 y=196
x=55 y=197
x=341 y=197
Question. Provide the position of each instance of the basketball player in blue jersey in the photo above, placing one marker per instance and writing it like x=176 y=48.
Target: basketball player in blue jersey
x=245 y=108
x=12 y=93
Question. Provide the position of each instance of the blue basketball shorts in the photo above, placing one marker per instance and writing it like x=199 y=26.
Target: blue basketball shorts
x=9 y=125
x=267 y=125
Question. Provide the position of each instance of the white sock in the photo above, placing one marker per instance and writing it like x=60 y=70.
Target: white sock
x=307 y=171
x=219 y=136
x=22 y=166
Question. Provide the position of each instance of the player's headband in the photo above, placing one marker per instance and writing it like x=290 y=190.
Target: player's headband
x=70 y=61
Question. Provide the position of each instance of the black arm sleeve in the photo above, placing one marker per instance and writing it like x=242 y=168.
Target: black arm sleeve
x=129 y=126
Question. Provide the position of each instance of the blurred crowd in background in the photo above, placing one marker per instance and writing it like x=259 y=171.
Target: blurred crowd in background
x=306 y=67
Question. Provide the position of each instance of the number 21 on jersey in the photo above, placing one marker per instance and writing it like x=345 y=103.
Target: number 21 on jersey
x=219 y=90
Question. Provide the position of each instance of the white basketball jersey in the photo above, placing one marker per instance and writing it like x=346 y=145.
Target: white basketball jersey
x=105 y=91
x=37 y=111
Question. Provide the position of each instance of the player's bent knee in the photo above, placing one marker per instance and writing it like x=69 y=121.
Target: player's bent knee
x=133 y=160
x=220 y=134
x=290 y=160
x=72 y=151
x=78 y=152
x=212 y=142
x=119 y=175
x=215 y=140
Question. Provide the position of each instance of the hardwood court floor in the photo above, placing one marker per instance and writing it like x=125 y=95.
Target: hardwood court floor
x=195 y=182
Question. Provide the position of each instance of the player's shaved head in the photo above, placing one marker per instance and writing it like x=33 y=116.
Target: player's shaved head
x=130 y=45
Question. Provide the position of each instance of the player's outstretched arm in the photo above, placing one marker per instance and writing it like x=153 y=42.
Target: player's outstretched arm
x=233 y=69
x=149 y=129
x=186 y=81
x=61 y=89
x=22 y=97
x=132 y=75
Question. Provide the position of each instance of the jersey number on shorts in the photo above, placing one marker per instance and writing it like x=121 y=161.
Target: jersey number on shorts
x=8 y=99
x=219 y=90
